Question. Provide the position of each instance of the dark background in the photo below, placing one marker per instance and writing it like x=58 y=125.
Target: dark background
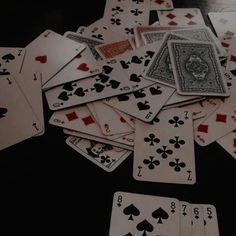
x=44 y=172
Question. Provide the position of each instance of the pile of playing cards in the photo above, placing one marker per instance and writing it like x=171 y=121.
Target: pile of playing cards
x=137 y=214
x=145 y=79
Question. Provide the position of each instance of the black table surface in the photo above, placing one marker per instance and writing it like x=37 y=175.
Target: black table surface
x=44 y=171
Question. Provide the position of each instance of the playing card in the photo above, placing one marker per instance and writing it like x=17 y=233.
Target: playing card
x=160 y=68
x=228 y=142
x=231 y=62
x=109 y=83
x=181 y=17
x=205 y=79
x=222 y=22
x=143 y=104
x=11 y=60
x=103 y=155
x=17 y=120
x=138 y=214
x=48 y=53
x=197 y=220
x=113 y=49
x=82 y=66
x=124 y=142
x=90 y=42
x=165 y=156
x=110 y=124
x=129 y=119
x=210 y=220
x=185 y=219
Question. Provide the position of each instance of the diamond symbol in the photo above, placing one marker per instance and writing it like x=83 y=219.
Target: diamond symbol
x=203 y=128
x=233 y=58
x=159 y=1
x=171 y=16
x=88 y=120
x=172 y=23
x=192 y=23
x=72 y=116
x=221 y=118
x=189 y=16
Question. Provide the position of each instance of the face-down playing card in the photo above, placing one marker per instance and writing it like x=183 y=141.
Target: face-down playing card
x=164 y=149
x=137 y=214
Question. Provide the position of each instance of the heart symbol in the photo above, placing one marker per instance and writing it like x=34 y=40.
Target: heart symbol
x=83 y=67
x=143 y=106
x=41 y=59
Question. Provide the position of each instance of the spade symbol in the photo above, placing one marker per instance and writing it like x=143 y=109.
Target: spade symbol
x=80 y=92
x=143 y=106
x=103 y=78
x=107 y=69
x=160 y=214
x=98 y=87
x=149 y=54
x=131 y=210
x=8 y=57
x=68 y=87
x=114 y=84
x=136 y=60
x=3 y=111
x=155 y=91
x=129 y=234
x=139 y=93
x=123 y=97
x=63 y=96
x=144 y=226
x=135 y=78
x=125 y=65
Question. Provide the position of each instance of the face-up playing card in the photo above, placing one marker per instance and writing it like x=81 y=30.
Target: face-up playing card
x=231 y=62
x=181 y=17
x=137 y=214
x=165 y=156
x=17 y=120
x=110 y=124
x=124 y=15
x=11 y=60
x=204 y=79
x=112 y=81
x=210 y=220
x=222 y=22
x=143 y=104
x=113 y=49
x=185 y=219
x=125 y=142
x=228 y=142
x=160 y=68
x=197 y=220
x=103 y=155
x=161 y=5
x=82 y=66
x=48 y=53
x=90 y=42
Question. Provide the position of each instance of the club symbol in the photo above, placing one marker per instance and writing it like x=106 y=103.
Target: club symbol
x=151 y=163
x=117 y=10
x=176 y=121
x=177 y=142
x=131 y=211
x=3 y=111
x=105 y=159
x=115 y=21
x=136 y=12
x=129 y=30
x=155 y=120
x=164 y=152
x=151 y=139
x=144 y=226
x=160 y=214
x=177 y=165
